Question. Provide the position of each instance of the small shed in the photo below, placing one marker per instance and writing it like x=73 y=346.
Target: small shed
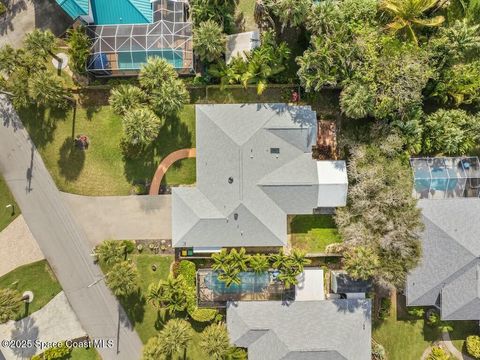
x=239 y=44
x=341 y=283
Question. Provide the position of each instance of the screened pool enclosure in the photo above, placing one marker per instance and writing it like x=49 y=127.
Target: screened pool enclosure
x=446 y=177
x=120 y=50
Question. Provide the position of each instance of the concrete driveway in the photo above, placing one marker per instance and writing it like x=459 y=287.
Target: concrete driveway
x=122 y=217
x=55 y=322
x=26 y=15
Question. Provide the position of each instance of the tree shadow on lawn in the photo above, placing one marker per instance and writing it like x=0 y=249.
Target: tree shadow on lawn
x=174 y=135
x=72 y=160
x=41 y=123
x=134 y=306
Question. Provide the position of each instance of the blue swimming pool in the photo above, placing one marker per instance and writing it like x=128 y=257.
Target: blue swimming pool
x=250 y=283
x=135 y=59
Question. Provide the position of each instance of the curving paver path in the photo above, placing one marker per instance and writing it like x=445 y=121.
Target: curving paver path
x=166 y=163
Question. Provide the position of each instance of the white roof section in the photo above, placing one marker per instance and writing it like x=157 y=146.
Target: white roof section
x=310 y=285
x=254 y=167
x=239 y=44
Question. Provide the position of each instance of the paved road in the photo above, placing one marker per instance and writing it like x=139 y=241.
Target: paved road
x=62 y=240
x=122 y=217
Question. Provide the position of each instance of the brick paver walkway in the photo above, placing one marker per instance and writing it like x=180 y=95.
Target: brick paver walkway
x=165 y=164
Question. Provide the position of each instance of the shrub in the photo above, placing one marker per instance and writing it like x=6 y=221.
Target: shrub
x=188 y=270
x=378 y=351
x=54 y=353
x=385 y=305
x=473 y=346
x=203 y=315
x=416 y=311
x=438 y=354
x=129 y=246
x=3 y=9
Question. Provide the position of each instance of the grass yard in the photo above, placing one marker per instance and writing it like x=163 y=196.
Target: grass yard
x=102 y=169
x=84 y=354
x=312 y=233
x=36 y=277
x=6 y=198
x=244 y=16
x=462 y=329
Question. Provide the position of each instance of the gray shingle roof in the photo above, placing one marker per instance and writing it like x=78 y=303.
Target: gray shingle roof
x=451 y=259
x=303 y=330
x=254 y=166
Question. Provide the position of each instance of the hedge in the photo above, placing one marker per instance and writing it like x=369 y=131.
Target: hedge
x=54 y=353
x=203 y=315
x=188 y=270
x=473 y=346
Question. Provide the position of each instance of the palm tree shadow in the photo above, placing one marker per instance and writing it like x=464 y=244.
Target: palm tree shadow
x=71 y=161
x=25 y=329
x=134 y=306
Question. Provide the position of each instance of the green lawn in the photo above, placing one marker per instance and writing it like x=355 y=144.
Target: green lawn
x=84 y=354
x=312 y=233
x=102 y=169
x=244 y=16
x=36 y=277
x=6 y=198
x=462 y=329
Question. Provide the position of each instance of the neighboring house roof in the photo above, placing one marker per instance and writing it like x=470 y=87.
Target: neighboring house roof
x=123 y=12
x=303 y=330
x=341 y=283
x=254 y=166
x=448 y=272
x=74 y=8
x=239 y=44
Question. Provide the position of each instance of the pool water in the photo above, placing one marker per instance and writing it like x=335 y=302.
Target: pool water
x=251 y=282
x=135 y=59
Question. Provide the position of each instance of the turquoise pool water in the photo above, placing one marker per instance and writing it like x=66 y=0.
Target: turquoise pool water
x=135 y=59
x=250 y=283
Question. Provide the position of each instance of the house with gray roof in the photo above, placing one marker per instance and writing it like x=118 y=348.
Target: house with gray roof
x=254 y=167
x=302 y=330
x=448 y=275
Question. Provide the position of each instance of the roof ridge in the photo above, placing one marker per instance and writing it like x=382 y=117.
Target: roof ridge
x=138 y=10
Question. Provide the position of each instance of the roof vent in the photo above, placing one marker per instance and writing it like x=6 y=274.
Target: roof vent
x=235 y=216
x=230 y=180
x=274 y=150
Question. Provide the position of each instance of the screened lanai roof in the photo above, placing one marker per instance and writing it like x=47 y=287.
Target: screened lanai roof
x=446 y=177
x=122 y=49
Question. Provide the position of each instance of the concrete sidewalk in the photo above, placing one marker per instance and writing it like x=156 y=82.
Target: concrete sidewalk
x=134 y=217
x=55 y=322
x=17 y=246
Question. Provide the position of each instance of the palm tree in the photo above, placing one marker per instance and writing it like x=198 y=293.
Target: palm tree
x=155 y=72
x=290 y=12
x=41 y=43
x=289 y=276
x=79 y=44
x=209 y=41
x=10 y=301
x=409 y=15
x=47 y=89
x=215 y=342
x=8 y=59
x=126 y=97
x=122 y=279
x=110 y=252
x=171 y=294
x=152 y=349
x=220 y=260
x=298 y=261
x=140 y=126
x=238 y=259
x=278 y=260
x=361 y=262
x=229 y=275
x=174 y=337
x=259 y=263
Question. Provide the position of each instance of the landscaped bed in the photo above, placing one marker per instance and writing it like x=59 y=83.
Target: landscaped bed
x=6 y=198
x=36 y=277
x=102 y=169
x=312 y=233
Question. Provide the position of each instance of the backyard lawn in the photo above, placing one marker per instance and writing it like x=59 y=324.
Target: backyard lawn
x=36 y=277
x=312 y=233
x=6 y=198
x=84 y=354
x=102 y=169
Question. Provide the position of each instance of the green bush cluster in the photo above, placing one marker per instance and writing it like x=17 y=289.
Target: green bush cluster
x=473 y=346
x=188 y=270
x=203 y=315
x=54 y=353
x=438 y=354
x=416 y=311
x=3 y=9
x=385 y=307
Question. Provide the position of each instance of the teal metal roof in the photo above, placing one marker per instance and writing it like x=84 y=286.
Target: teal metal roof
x=123 y=12
x=74 y=8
